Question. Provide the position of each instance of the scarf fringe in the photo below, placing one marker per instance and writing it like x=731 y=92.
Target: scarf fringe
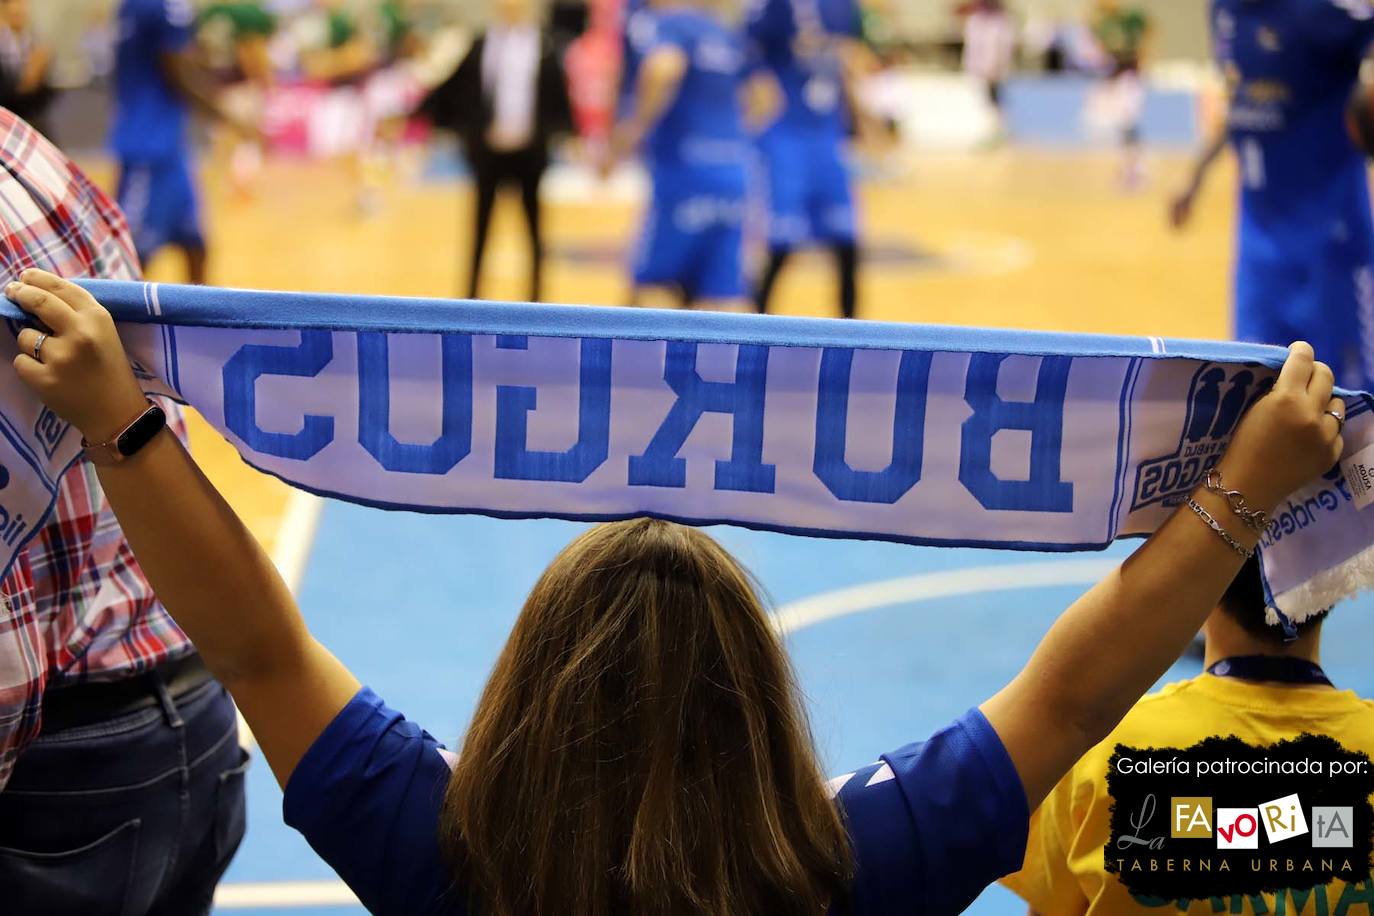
x=1325 y=589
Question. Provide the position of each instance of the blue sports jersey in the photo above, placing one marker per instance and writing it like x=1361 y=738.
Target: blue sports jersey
x=1290 y=67
x=150 y=116
x=932 y=824
x=798 y=41
x=636 y=40
x=1305 y=269
x=703 y=127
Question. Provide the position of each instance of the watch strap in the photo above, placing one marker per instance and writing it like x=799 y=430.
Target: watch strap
x=129 y=440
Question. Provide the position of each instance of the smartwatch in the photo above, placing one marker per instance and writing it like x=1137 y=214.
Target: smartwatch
x=127 y=443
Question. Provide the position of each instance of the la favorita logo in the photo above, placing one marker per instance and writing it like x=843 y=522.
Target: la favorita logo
x=1238 y=818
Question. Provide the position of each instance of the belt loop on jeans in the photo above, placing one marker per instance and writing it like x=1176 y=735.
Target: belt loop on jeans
x=90 y=702
x=165 y=699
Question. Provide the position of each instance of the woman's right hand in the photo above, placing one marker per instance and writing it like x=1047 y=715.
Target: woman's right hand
x=83 y=373
x=1288 y=437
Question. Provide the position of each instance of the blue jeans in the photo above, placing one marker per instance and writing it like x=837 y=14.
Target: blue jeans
x=135 y=816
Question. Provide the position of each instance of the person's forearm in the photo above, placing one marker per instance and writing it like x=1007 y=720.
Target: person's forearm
x=659 y=79
x=201 y=559
x=1112 y=644
x=191 y=83
x=221 y=588
x=35 y=70
x=1116 y=641
x=1206 y=159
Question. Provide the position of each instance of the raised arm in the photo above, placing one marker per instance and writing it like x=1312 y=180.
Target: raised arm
x=660 y=77
x=1181 y=206
x=1115 y=641
x=205 y=566
x=193 y=83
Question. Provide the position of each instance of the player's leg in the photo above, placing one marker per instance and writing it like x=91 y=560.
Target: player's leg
x=1346 y=303
x=1270 y=293
x=763 y=291
x=659 y=262
x=718 y=262
x=847 y=264
x=1130 y=91
x=135 y=193
x=785 y=185
x=1363 y=279
x=831 y=214
x=187 y=233
x=532 y=166
x=486 y=180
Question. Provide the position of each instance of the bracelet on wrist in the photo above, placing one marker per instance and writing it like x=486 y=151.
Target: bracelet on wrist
x=1221 y=532
x=1254 y=519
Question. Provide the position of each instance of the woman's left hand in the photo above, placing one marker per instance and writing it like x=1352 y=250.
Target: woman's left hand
x=81 y=370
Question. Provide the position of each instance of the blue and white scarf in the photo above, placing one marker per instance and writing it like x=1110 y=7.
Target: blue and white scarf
x=925 y=435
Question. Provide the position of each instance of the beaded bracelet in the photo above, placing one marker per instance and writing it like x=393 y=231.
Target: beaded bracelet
x=1254 y=519
x=1215 y=525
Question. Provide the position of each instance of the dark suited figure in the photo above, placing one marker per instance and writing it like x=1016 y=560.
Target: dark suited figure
x=507 y=100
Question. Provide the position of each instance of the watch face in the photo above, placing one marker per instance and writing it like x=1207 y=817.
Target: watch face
x=141 y=430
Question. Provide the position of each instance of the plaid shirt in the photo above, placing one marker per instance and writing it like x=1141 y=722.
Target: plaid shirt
x=79 y=605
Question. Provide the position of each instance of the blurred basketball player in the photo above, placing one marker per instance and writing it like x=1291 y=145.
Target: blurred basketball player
x=25 y=61
x=811 y=47
x=990 y=48
x=235 y=37
x=157 y=80
x=1123 y=32
x=637 y=35
x=1306 y=260
x=686 y=116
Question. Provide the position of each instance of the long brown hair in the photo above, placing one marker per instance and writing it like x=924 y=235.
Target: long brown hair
x=641 y=748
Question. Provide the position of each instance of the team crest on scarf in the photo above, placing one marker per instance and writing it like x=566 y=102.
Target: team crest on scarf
x=1217 y=397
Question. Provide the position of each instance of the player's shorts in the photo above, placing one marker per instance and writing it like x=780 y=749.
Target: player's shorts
x=1327 y=302
x=810 y=198
x=693 y=238
x=159 y=200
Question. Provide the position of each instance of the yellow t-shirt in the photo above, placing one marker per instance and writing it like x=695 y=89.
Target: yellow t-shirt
x=1063 y=873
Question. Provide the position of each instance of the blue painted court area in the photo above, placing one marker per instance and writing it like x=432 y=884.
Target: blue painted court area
x=891 y=642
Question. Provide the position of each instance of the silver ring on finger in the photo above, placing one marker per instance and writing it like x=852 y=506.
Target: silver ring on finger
x=1340 y=420
x=38 y=346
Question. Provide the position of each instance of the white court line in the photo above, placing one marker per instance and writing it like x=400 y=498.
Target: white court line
x=952 y=583
x=789 y=619
x=290 y=554
x=296 y=536
x=283 y=893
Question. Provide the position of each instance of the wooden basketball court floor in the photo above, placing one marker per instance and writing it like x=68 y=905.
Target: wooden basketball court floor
x=1010 y=238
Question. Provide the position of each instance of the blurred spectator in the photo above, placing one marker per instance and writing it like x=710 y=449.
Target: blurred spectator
x=24 y=64
x=235 y=37
x=1123 y=31
x=989 y=46
x=337 y=51
x=507 y=100
x=398 y=37
x=120 y=766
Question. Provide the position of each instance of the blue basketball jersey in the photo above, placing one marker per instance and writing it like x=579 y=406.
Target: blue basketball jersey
x=636 y=39
x=799 y=42
x=704 y=125
x=150 y=116
x=1291 y=66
